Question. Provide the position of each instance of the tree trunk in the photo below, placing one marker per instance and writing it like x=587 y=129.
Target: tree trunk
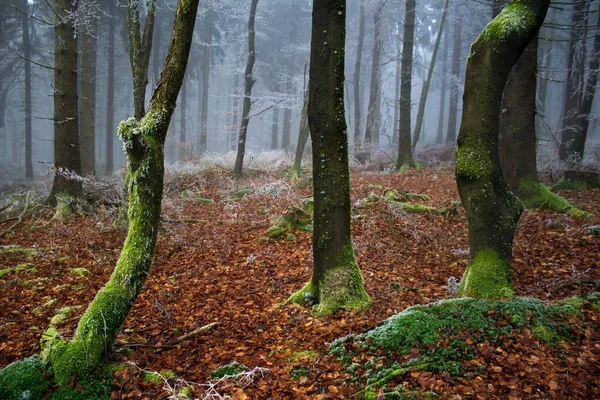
x=140 y=47
x=374 y=92
x=248 y=83
x=425 y=89
x=444 y=85
x=405 y=158
x=357 y=65
x=396 y=99
x=235 y=113
x=454 y=80
x=87 y=102
x=336 y=280
x=66 y=126
x=144 y=143
x=182 y=126
x=492 y=209
x=287 y=117
x=303 y=134
x=27 y=84
x=206 y=58
x=275 y=128
x=110 y=92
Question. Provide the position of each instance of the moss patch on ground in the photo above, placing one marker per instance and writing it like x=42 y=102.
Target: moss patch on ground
x=439 y=337
x=293 y=219
x=25 y=379
x=17 y=268
x=230 y=369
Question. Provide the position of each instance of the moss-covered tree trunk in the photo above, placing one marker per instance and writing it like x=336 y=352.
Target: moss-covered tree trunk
x=144 y=142
x=492 y=209
x=248 y=84
x=336 y=280
x=66 y=119
x=405 y=157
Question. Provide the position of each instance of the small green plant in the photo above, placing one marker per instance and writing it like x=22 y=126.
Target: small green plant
x=230 y=369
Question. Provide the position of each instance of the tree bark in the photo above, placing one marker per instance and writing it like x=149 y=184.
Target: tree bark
x=182 y=125
x=287 y=117
x=454 y=80
x=275 y=126
x=87 y=111
x=235 y=112
x=144 y=143
x=396 y=98
x=492 y=209
x=110 y=91
x=206 y=60
x=405 y=158
x=374 y=92
x=248 y=83
x=426 y=84
x=140 y=47
x=357 y=65
x=66 y=125
x=27 y=84
x=336 y=280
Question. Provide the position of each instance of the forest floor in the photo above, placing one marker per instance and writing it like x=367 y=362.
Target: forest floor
x=211 y=265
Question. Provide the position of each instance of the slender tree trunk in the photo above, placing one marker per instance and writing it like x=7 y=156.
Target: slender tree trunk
x=156 y=41
x=426 y=84
x=405 y=157
x=374 y=91
x=275 y=128
x=336 y=281
x=455 y=79
x=235 y=114
x=287 y=117
x=144 y=142
x=206 y=59
x=357 y=65
x=140 y=47
x=444 y=84
x=182 y=127
x=110 y=91
x=66 y=131
x=248 y=83
x=492 y=209
x=396 y=99
x=303 y=134
x=27 y=84
x=87 y=102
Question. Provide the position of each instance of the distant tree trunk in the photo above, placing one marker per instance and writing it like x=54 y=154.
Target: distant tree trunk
x=492 y=209
x=87 y=102
x=144 y=142
x=140 y=47
x=156 y=41
x=206 y=60
x=336 y=281
x=27 y=84
x=580 y=91
x=287 y=117
x=248 y=83
x=303 y=134
x=275 y=128
x=182 y=127
x=374 y=91
x=454 y=80
x=235 y=114
x=405 y=158
x=357 y=65
x=444 y=84
x=396 y=99
x=426 y=84
x=66 y=131
x=110 y=91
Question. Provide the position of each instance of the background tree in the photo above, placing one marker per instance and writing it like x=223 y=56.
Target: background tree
x=455 y=75
x=492 y=209
x=336 y=280
x=144 y=143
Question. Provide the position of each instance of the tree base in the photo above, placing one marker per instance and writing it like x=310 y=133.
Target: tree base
x=488 y=276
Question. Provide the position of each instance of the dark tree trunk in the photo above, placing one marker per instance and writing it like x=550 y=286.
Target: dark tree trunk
x=492 y=209
x=206 y=60
x=140 y=47
x=287 y=117
x=374 y=92
x=455 y=79
x=444 y=85
x=303 y=134
x=248 y=83
x=405 y=157
x=336 y=281
x=144 y=143
x=27 y=84
x=425 y=89
x=66 y=127
x=110 y=92
x=182 y=125
x=357 y=65
x=87 y=102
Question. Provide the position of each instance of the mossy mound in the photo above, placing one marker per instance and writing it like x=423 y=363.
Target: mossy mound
x=230 y=369
x=25 y=379
x=438 y=337
x=293 y=219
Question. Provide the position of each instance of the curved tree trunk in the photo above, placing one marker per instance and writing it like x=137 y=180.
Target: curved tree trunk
x=336 y=280
x=492 y=209
x=66 y=118
x=144 y=142
x=248 y=83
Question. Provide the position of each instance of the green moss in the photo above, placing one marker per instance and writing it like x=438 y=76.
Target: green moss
x=487 y=276
x=158 y=377
x=308 y=205
x=274 y=232
x=593 y=229
x=80 y=272
x=17 y=268
x=569 y=184
x=204 y=201
x=12 y=249
x=230 y=369
x=536 y=195
x=61 y=315
x=290 y=236
x=96 y=385
x=243 y=192
x=311 y=354
x=473 y=160
x=515 y=18
x=24 y=379
x=305 y=295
